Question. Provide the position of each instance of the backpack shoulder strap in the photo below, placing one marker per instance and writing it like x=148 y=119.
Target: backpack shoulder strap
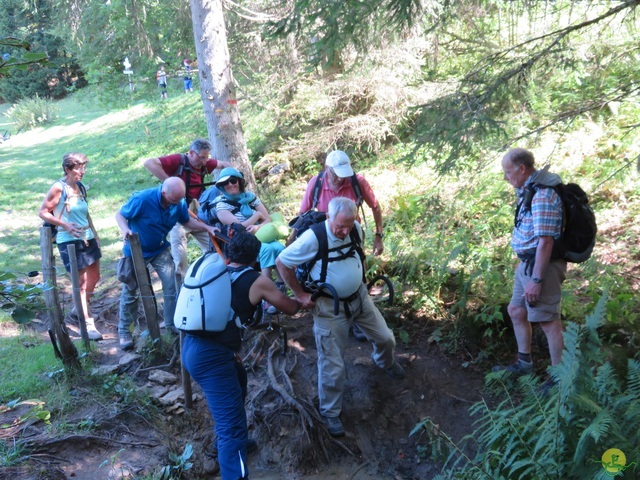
x=317 y=188
x=83 y=190
x=320 y=231
x=182 y=166
x=355 y=184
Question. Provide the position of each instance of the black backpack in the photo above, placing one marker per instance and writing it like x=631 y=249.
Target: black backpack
x=315 y=221
x=578 y=221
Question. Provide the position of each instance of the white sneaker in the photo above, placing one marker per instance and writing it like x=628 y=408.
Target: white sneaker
x=92 y=331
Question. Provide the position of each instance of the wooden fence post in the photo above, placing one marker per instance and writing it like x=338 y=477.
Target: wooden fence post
x=57 y=330
x=149 y=304
x=75 y=293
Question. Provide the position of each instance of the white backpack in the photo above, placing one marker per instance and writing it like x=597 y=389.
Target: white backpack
x=204 y=301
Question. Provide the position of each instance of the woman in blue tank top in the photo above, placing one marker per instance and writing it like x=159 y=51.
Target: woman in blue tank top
x=65 y=207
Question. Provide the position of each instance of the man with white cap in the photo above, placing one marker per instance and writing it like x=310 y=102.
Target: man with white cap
x=339 y=180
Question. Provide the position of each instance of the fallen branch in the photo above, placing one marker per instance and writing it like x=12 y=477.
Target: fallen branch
x=37 y=443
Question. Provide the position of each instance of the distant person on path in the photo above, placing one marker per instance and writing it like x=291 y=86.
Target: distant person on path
x=188 y=76
x=66 y=207
x=161 y=78
x=538 y=281
x=235 y=205
x=344 y=271
x=152 y=213
x=191 y=167
x=212 y=358
x=339 y=180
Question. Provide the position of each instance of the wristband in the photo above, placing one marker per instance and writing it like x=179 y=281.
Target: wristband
x=379 y=235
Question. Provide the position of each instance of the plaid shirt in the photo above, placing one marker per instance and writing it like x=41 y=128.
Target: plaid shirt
x=543 y=220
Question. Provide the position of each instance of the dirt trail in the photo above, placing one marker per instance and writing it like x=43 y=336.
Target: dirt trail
x=379 y=413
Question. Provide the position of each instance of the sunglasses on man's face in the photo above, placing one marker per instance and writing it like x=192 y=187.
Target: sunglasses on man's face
x=232 y=181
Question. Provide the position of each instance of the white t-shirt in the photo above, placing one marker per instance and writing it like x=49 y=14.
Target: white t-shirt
x=345 y=275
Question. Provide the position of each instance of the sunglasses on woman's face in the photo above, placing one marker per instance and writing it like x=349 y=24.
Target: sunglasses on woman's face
x=232 y=181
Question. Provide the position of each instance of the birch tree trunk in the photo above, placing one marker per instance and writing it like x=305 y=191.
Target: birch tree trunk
x=217 y=88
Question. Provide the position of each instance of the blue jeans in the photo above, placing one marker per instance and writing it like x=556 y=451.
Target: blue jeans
x=164 y=268
x=216 y=370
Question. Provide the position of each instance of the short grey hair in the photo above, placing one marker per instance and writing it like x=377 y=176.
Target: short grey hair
x=200 y=145
x=342 y=205
x=521 y=156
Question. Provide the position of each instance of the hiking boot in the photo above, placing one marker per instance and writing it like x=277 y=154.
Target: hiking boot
x=334 y=426
x=518 y=369
x=126 y=341
x=92 y=331
x=396 y=371
x=268 y=308
x=358 y=333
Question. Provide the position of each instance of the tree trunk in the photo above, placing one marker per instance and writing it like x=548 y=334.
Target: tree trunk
x=217 y=88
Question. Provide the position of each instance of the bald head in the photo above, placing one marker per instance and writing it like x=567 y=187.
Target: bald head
x=173 y=190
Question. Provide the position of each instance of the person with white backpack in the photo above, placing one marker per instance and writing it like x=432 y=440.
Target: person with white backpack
x=211 y=356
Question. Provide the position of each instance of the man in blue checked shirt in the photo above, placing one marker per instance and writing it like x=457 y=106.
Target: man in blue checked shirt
x=538 y=280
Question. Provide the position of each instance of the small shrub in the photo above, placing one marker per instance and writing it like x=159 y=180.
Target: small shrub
x=31 y=112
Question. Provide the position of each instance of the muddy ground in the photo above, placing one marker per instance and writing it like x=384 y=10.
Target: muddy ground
x=123 y=440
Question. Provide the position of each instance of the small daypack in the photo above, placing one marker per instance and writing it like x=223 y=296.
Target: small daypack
x=318 y=228
x=579 y=226
x=207 y=206
x=204 y=301
x=207 y=213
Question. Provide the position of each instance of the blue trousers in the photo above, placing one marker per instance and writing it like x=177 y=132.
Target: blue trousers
x=163 y=266
x=220 y=376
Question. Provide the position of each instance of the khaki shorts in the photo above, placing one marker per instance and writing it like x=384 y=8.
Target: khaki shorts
x=548 y=307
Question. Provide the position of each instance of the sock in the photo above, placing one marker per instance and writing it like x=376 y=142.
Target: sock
x=525 y=357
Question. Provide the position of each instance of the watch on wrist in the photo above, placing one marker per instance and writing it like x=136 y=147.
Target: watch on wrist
x=536 y=280
x=377 y=234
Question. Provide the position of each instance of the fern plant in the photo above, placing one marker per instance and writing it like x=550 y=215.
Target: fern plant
x=562 y=433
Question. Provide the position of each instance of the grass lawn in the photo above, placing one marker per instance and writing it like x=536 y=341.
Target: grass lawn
x=116 y=141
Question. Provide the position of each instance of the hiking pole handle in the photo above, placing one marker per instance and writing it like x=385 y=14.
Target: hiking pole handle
x=336 y=300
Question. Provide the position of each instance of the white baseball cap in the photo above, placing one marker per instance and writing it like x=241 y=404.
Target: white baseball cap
x=339 y=161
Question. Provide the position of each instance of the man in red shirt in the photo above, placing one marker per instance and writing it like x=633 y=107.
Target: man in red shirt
x=339 y=180
x=191 y=168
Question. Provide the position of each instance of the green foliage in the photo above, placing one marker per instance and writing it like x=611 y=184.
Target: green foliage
x=20 y=299
x=180 y=465
x=543 y=69
x=563 y=433
x=20 y=60
x=12 y=452
x=29 y=74
x=336 y=26
x=25 y=361
x=31 y=112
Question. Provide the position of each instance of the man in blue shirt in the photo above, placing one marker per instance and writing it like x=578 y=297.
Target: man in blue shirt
x=152 y=213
